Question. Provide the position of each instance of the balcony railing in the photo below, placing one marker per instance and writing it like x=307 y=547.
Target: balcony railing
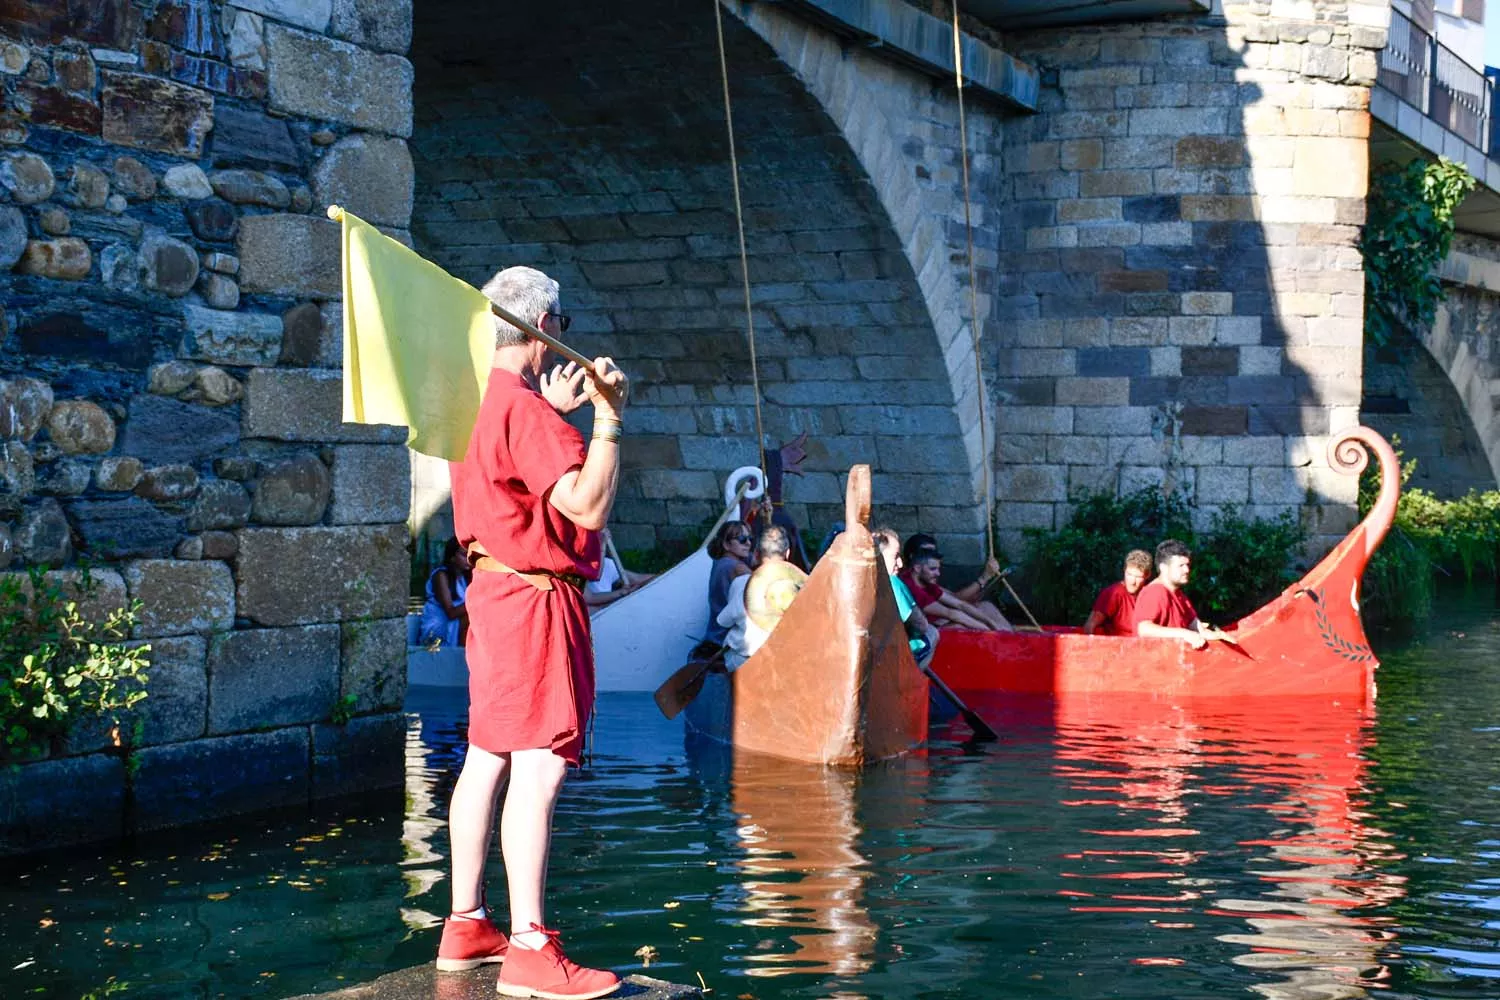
x=1431 y=78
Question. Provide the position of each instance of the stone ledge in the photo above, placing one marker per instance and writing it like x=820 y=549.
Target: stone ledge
x=208 y=779
x=479 y=984
x=85 y=801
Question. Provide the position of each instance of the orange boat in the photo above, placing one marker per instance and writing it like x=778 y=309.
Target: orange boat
x=1308 y=641
x=835 y=683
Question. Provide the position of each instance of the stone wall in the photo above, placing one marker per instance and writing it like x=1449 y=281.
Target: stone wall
x=1181 y=295
x=1435 y=387
x=169 y=399
x=609 y=168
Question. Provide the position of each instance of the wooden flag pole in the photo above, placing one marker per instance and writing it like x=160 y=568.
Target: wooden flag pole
x=336 y=213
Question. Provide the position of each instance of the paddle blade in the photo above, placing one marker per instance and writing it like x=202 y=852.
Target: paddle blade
x=679 y=690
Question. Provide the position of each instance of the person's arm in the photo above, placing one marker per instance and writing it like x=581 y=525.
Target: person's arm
x=971 y=593
x=594 y=599
x=1093 y=621
x=585 y=496
x=1192 y=636
x=442 y=592
x=944 y=614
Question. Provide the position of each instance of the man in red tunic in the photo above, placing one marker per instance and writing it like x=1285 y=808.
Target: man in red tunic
x=1162 y=610
x=528 y=504
x=1114 y=608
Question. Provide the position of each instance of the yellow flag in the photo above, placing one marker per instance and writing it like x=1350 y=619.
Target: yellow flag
x=418 y=342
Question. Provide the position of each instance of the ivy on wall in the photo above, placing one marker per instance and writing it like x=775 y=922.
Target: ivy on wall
x=1408 y=231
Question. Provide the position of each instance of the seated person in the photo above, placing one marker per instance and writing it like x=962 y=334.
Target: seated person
x=445 y=619
x=1162 y=610
x=1114 y=608
x=757 y=602
x=945 y=608
x=730 y=550
x=611 y=586
x=922 y=634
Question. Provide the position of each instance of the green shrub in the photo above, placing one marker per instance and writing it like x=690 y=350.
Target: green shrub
x=1428 y=536
x=56 y=668
x=1238 y=564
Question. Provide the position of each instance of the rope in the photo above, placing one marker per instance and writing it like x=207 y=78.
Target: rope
x=739 y=221
x=963 y=145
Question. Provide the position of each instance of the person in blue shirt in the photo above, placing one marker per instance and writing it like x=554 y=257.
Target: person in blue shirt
x=922 y=634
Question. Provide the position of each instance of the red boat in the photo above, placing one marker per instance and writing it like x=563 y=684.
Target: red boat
x=1308 y=641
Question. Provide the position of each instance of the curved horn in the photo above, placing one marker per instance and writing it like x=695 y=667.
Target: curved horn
x=857 y=497
x=1349 y=453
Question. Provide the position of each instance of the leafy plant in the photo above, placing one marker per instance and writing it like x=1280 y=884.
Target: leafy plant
x=1408 y=231
x=56 y=667
x=1428 y=536
x=342 y=711
x=1238 y=563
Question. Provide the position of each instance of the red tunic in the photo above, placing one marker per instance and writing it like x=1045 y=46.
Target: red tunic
x=531 y=660
x=1155 y=603
x=1116 y=609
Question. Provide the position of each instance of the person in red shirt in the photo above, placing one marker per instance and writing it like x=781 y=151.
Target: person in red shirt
x=528 y=504
x=1114 y=608
x=1162 y=610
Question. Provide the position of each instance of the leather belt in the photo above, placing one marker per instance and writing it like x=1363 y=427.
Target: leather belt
x=541 y=579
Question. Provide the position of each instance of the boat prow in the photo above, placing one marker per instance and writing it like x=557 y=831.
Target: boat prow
x=835 y=683
x=1307 y=641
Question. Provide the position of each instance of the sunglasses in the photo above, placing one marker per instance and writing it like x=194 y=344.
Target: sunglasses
x=741 y=539
x=563 y=321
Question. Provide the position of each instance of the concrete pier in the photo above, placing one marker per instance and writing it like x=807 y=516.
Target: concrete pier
x=424 y=982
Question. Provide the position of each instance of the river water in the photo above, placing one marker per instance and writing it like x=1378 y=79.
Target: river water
x=1104 y=848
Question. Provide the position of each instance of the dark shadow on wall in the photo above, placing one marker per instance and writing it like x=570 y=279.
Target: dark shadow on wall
x=589 y=141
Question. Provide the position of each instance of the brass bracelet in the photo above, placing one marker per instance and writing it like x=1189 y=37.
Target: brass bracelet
x=608 y=432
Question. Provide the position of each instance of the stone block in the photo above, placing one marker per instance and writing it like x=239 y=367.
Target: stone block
x=292 y=492
x=122 y=528
x=365 y=753
x=1276 y=486
x=230 y=338
x=168 y=483
x=42 y=537
x=165 y=430
x=272 y=677
x=297 y=576
x=221 y=505
x=54 y=803
x=176 y=703
x=369 y=175
x=24 y=406
x=246 y=136
x=146 y=112
x=1032 y=483
x=206 y=779
x=1083 y=391
x=372 y=667
x=1223 y=421
x=27 y=177
x=1033 y=420
x=65 y=259
x=1331 y=167
x=371 y=484
x=297 y=256
x=304 y=405
x=310 y=14
x=1254 y=451
x=180 y=597
x=1223 y=485
x=311 y=75
x=383 y=25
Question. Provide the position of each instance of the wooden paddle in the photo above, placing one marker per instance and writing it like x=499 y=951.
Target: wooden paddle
x=679 y=690
x=1034 y=624
x=982 y=730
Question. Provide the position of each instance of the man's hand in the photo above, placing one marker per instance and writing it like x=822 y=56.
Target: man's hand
x=1194 y=638
x=607 y=387
x=563 y=387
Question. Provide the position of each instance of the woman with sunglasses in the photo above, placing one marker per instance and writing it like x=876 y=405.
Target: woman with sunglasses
x=730 y=549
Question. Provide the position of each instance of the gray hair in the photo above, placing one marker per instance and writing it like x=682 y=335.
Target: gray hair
x=774 y=542
x=525 y=292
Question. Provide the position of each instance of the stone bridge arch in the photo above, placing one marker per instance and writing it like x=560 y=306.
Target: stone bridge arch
x=1452 y=429
x=601 y=157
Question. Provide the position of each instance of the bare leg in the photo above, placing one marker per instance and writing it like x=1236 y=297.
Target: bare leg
x=991 y=616
x=471 y=823
x=536 y=778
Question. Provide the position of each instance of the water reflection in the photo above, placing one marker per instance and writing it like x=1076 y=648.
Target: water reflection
x=1302 y=765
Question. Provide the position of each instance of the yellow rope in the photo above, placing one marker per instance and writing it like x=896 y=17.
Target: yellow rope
x=963 y=145
x=739 y=221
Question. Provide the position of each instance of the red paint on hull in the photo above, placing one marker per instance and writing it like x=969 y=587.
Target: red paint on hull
x=1308 y=641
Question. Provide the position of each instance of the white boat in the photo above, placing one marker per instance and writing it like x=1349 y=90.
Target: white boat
x=641 y=638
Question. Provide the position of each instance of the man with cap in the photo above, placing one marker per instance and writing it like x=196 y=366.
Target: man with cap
x=946 y=608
